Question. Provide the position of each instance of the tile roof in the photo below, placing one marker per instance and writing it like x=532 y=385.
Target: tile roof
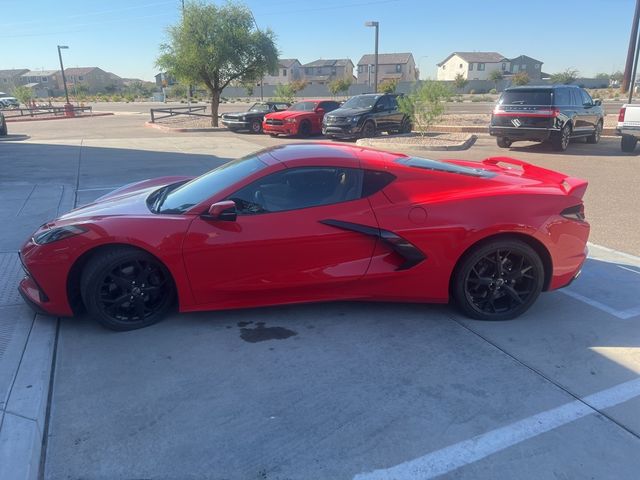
x=287 y=62
x=477 y=57
x=40 y=73
x=79 y=71
x=385 y=59
x=13 y=72
x=332 y=62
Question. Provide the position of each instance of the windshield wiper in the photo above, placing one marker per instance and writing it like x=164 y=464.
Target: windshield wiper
x=160 y=198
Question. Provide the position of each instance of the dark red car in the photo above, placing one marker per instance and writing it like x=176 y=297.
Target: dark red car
x=302 y=118
x=312 y=223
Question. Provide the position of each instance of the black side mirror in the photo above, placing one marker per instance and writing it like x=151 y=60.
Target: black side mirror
x=597 y=102
x=224 y=211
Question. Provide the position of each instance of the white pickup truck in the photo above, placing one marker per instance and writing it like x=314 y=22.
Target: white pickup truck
x=629 y=126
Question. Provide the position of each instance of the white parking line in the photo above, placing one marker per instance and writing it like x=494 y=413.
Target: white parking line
x=621 y=314
x=463 y=453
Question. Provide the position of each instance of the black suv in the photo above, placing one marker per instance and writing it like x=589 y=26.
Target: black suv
x=365 y=115
x=252 y=118
x=551 y=112
x=3 y=125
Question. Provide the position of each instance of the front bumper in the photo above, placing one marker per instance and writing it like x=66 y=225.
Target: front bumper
x=343 y=131
x=285 y=128
x=235 y=124
x=514 y=133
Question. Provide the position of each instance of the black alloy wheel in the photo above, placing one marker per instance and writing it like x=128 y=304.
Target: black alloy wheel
x=406 y=126
x=595 y=137
x=256 y=126
x=498 y=281
x=305 y=129
x=368 y=130
x=561 y=142
x=125 y=289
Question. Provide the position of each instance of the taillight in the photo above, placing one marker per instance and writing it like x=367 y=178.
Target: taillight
x=621 y=114
x=574 y=213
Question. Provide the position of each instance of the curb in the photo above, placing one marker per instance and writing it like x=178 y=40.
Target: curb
x=164 y=128
x=369 y=142
x=24 y=424
x=35 y=119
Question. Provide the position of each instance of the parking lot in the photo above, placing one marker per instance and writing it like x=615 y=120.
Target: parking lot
x=328 y=391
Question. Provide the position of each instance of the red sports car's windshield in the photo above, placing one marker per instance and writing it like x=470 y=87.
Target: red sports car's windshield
x=199 y=189
x=303 y=106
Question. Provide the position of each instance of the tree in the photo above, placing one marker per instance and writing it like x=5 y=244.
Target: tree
x=495 y=76
x=425 y=105
x=520 y=78
x=249 y=86
x=215 y=45
x=570 y=75
x=602 y=76
x=388 y=86
x=23 y=94
x=178 y=90
x=617 y=76
x=460 y=82
x=298 y=85
x=339 y=85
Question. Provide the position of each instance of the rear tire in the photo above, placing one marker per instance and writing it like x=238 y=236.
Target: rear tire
x=273 y=135
x=125 y=289
x=503 y=142
x=561 y=142
x=406 y=126
x=498 y=280
x=595 y=138
x=628 y=143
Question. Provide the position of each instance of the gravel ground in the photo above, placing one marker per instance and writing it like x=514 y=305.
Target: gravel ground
x=184 y=121
x=480 y=119
x=430 y=139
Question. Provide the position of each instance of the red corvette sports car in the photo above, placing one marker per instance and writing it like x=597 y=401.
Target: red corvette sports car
x=311 y=223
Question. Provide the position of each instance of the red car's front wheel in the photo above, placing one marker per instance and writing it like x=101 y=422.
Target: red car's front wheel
x=125 y=288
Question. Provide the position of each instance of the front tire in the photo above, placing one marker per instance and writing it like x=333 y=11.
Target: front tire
x=628 y=143
x=503 y=142
x=498 y=280
x=305 y=129
x=125 y=289
x=256 y=126
x=595 y=138
x=368 y=130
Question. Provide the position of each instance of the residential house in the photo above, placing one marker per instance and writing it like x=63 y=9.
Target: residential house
x=94 y=79
x=531 y=66
x=44 y=83
x=322 y=72
x=472 y=65
x=289 y=70
x=11 y=78
x=391 y=66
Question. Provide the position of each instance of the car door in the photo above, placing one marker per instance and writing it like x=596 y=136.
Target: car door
x=278 y=249
x=381 y=113
x=590 y=112
x=395 y=115
x=579 y=122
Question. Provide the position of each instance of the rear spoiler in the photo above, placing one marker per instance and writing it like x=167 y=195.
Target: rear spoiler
x=571 y=185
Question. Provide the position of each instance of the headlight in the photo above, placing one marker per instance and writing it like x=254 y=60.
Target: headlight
x=355 y=119
x=291 y=120
x=59 y=233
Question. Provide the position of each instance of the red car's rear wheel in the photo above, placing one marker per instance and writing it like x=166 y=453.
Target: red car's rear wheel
x=125 y=289
x=498 y=280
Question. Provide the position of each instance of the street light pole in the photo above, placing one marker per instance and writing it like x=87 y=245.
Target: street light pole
x=632 y=80
x=375 y=72
x=64 y=78
x=261 y=78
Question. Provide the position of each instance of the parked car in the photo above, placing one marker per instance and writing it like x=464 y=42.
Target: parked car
x=302 y=118
x=629 y=126
x=314 y=222
x=252 y=119
x=4 y=131
x=9 y=102
x=364 y=116
x=556 y=113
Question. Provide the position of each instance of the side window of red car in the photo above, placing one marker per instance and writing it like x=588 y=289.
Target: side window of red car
x=298 y=188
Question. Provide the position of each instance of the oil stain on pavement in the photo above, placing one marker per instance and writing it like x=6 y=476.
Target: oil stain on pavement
x=262 y=333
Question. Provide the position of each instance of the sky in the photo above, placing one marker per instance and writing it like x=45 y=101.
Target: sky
x=123 y=36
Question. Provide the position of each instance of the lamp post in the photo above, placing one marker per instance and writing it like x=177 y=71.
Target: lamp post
x=375 y=72
x=261 y=78
x=68 y=108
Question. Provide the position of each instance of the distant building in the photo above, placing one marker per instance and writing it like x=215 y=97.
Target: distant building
x=321 y=72
x=44 y=83
x=163 y=79
x=391 y=66
x=94 y=79
x=9 y=79
x=289 y=70
x=479 y=65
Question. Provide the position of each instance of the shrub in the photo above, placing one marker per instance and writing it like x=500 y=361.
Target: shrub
x=425 y=105
x=388 y=86
x=520 y=78
x=493 y=91
x=339 y=86
x=472 y=92
x=284 y=93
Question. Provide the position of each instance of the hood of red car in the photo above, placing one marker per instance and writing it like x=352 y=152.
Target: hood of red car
x=288 y=114
x=128 y=200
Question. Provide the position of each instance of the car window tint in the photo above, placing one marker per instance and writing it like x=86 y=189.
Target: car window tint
x=526 y=97
x=393 y=103
x=329 y=106
x=297 y=188
x=562 y=96
x=586 y=98
x=577 y=98
x=374 y=181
